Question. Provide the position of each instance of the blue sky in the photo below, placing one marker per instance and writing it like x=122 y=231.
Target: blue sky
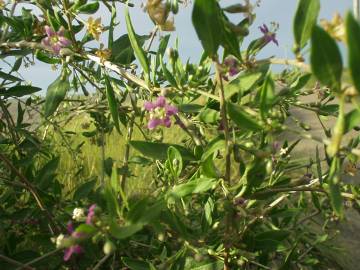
x=280 y=11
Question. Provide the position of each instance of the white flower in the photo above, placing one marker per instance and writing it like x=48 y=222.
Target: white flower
x=283 y=151
x=78 y=214
x=59 y=240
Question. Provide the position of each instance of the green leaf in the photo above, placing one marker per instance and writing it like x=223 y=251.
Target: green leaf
x=9 y=77
x=175 y=161
x=352 y=119
x=135 y=264
x=199 y=185
x=334 y=187
x=86 y=229
x=122 y=52
x=90 y=8
x=305 y=19
x=267 y=95
x=209 y=116
x=44 y=57
x=190 y=108
x=206 y=18
x=326 y=62
x=353 y=42
x=20 y=91
x=215 y=145
x=157 y=150
x=138 y=50
x=168 y=75
x=244 y=82
x=242 y=119
x=123 y=232
x=270 y=240
x=84 y=190
x=210 y=266
x=56 y=93
x=112 y=103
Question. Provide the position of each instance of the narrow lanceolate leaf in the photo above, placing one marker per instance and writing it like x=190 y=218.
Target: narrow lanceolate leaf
x=19 y=91
x=208 y=25
x=138 y=50
x=305 y=19
x=242 y=119
x=56 y=93
x=353 y=41
x=326 y=62
x=112 y=103
x=352 y=120
x=267 y=95
x=334 y=188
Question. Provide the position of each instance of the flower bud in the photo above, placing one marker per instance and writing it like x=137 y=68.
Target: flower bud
x=109 y=247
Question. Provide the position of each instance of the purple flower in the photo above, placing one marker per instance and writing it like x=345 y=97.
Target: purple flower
x=91 y=214
x=75 y=249
x=160 y=112
x=232 y=65
x=268 y=35
x=55 y=40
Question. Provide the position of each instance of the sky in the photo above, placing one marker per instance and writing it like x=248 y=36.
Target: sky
x=280 y=11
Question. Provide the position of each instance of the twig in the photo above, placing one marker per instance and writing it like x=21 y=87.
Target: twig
x=98 y=265
x=290 y=62
x=30 y=188
x=39 y=259
x=13 y=262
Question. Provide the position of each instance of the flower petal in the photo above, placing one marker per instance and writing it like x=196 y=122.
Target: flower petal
x=153 y=123
x=49 y=31
x=167 y=122
x=46 y=42
x=64 y=41
x=56 y=48
x=160 y=101
x=149 y=106
x=68 y=253
x=171 y=110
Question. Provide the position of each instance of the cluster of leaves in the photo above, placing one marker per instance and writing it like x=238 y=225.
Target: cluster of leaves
x=230 y=196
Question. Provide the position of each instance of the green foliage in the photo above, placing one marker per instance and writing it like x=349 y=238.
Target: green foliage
x=304 y=21
x=326 y=62
x=353 y=37
x=56 y=93
x=166 y=164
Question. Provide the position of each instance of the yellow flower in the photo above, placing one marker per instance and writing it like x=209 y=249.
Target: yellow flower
x=2 y=4
x=94 y=27
x=335 y=27
x=159 y=13
x=103 y=54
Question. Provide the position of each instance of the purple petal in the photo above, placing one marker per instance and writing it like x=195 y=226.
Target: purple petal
x=171 y=110
x=56 y=48
x=49 y=31
x=70 y=227
x=46 y=42
x=149 y=106
x=167 y=122
x=273 y=39
x=78 y=249
x=264 y=29
x=68 y=253
x=233 y=71
x=153 y=123
x=91 y=214
x=160 y=101
x=64 y=41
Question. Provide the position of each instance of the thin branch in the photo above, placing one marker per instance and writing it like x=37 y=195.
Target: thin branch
x=29 y=187
x=16 y=263
x=103 y=260
x=26 y=265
